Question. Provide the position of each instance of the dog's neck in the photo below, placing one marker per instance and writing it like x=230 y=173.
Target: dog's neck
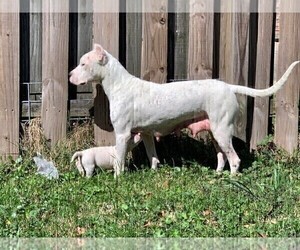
x=114 y=71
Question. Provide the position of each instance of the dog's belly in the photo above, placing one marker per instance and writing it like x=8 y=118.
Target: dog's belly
x=196 y=123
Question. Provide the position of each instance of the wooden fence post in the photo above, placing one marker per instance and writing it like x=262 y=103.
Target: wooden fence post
x=9 y=78
x=106 y=32
x=263 y=71
x=234 y=57
x=55 y=68
x=287 y=99
x=154 y=43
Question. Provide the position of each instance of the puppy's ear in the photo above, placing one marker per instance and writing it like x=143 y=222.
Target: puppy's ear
x=101 y=54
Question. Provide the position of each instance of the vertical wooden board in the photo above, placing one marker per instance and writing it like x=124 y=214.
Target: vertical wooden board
x=233 y=63
x=181 y=39
x=200 y=49
x=106 y=33
x=85 y=36
x=85 y=26
x=133 y=37
x=287 y=99
x=9 y=79
x=263 y=71
x=154 y=43
x=106 y=26
x=35 y=43
x=55 y=69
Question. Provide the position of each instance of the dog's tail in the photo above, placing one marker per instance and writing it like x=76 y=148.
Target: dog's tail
x=264 y=92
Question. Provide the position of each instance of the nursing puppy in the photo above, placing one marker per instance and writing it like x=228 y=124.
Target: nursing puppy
x=138 y=106
x=103 y=157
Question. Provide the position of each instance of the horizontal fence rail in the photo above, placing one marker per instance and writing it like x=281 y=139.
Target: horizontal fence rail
x=201 y=40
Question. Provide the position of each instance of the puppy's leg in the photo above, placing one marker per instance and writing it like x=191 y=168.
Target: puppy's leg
x=221 y=156
x=150 y=149
x=79 y=166
x=121 y=149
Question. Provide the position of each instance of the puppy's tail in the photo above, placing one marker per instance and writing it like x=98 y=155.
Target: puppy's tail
x=76 y=155
x=264 y=92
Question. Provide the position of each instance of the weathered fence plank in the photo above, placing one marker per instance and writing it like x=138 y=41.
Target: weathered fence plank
x=287 y=99
x=55 y=69
x=234 y=58
x=85 y=38
x=181 y=39
x=263 y=71
x=201 y=32
x=200 y=47
x=106 y=32
x=154 y=44
x=133 y=37
x=35 y=43
x=9 y=79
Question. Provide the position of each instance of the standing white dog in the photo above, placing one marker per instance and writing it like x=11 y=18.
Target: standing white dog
x=103 y=157
x=138 y=106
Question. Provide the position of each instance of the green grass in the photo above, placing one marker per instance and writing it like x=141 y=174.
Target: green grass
x=186 y=201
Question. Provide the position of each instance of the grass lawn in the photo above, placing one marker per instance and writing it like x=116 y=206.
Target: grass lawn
x=184 y=200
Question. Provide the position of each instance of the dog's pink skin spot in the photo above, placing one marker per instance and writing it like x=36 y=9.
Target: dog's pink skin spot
x=196 y=125
x=199 y=126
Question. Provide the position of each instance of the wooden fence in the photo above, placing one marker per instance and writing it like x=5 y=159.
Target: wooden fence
x=39 y=47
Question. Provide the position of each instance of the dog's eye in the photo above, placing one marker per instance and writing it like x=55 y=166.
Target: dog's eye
x=82 y=65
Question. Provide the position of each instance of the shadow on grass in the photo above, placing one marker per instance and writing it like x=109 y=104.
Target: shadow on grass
x=184 y=150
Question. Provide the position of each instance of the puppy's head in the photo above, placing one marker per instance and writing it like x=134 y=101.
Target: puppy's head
x=91 y=67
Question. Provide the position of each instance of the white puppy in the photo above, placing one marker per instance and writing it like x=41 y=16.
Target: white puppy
x=103 y=157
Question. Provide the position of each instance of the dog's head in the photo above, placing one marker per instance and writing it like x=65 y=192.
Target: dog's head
x=91 y=67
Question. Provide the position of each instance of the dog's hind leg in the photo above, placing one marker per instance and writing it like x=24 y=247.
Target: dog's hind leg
x=122 y=141
x=223 y=136
x=221 y=156
x=150 y=149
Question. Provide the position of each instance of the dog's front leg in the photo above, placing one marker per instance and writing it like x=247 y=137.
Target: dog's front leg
x=121 y=149
x=150 y=149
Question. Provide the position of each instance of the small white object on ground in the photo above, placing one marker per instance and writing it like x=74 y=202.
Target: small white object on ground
x=45 y=168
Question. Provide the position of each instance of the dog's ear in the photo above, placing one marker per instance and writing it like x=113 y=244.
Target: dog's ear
x=101 y=54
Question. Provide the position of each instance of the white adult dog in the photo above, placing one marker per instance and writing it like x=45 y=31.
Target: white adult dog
x=103 y=157
x=138 y=106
